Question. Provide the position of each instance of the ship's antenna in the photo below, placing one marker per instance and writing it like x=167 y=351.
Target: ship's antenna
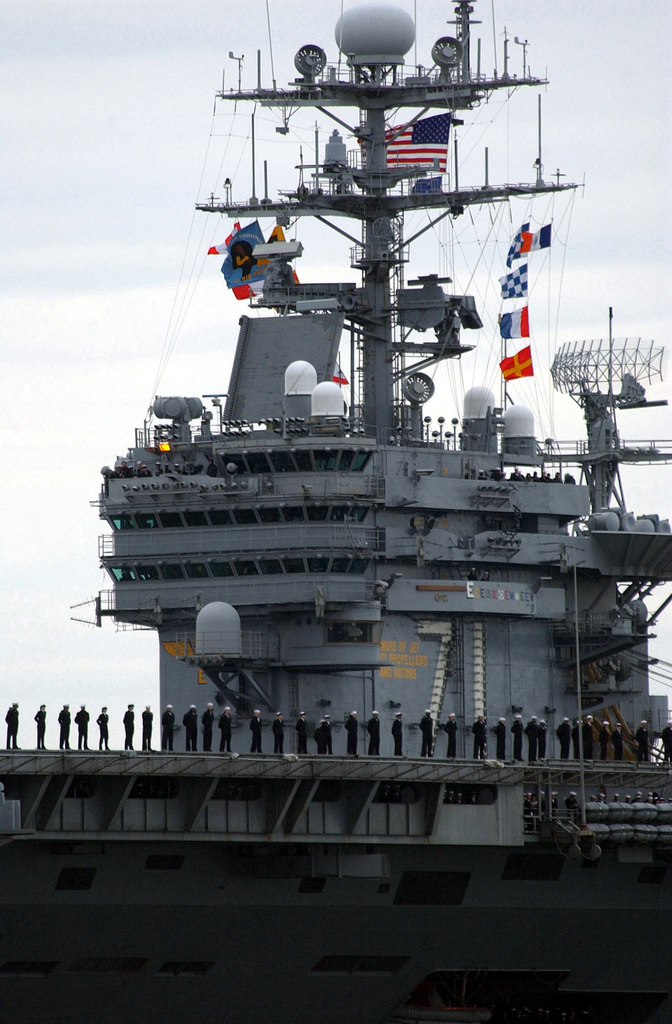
x=540 y=166
x=524 y=43
x=270 y=46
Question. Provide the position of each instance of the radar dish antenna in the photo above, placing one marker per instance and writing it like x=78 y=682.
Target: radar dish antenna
x=310 y=61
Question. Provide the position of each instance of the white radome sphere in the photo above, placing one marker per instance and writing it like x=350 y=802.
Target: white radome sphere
x=218 y=630
x=477 y=401
x=300 y=378
x=327 y=400
x=375 y=29
x=518 y=421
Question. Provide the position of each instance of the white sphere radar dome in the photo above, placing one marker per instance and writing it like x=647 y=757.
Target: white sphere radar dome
x=300 y=378
x=327 y=400
x=518 y=421
x=477 y=401
x=375 y=33
x=218 y=630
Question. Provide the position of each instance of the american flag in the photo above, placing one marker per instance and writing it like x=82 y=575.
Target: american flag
x=420 y=144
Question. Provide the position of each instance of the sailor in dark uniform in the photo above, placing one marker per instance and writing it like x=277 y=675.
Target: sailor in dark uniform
x=604 y=741
x=41 y=719
x=320 y=737
x=517 y=731
x=451 y=730
x=427 y=730
x=532 y=733
x=542 y=732
x=564 y=734
x=373 y=729
x=225 y=730
x=328 y=735
x=64 y=722
x=207 y=721
x=255 y=729
x=587 y=737
x=667 y=742
x=129 y=727
x=575 y=740
x=397 y=735
x=500 y=733
x=147 y=723
x=351 y=727
x=12 y=720
x=190 y=723
x=617 y=742
x=278 y=734
x=167 y=728
x=103 y=723
x=82 y=723
x=642 y=737
x=479 y=731
x=301 y=730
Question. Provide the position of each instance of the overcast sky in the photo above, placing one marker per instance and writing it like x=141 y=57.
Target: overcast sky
x=110 y=135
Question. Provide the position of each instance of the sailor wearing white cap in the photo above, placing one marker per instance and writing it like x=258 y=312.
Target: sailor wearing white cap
x=147 y=721
x=190 y=723
x=427 y=730
x=517 y=730
x=451 y=730
x=167 y=728
x=397 y=734
x=301 y=728
x=500 y=733
x=373 y=729
x=255 y=729
x=278 y=734
x=207 y=724
x=604 y=740
x=351 y=727
x=642 y=737
x=667 y=743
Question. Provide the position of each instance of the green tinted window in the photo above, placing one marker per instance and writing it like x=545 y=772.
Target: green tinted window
x=340 y=564
x=270 y=514
x=270 y=566
x=325 y=459
x=219 y=517
x=347 y=455
x=124 y=574
x=293 y=514
x=258 y=462
x=246 y=568
x=360 y=460
x=147 y=572
x=317 y=513
x=303 y=461
x=244 y=516
x=172 y=572
x=196 y=570
x=338 y=513
x=358 y=565
x=358 y=512
x=221 y=568
x=146 y=520
x=195 y=518
x=122 y=522
x=282 y=462
x=293 y=565
x=171 y=519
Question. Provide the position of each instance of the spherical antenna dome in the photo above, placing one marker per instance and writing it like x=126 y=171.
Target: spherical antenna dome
x=327 y=400
x=375 y=33
x=518 y=421
x=218 y=630
x=477 y=401
x=300 y=378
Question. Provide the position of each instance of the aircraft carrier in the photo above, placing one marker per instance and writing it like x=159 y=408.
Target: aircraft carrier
x=307 y=544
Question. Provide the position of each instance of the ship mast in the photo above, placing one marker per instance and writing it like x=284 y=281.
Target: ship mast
x=370 y=190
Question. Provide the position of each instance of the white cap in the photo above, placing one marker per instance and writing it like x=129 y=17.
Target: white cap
x=502 y=720
x=326 y=717
x=565 y=719
x=169 y=707
x=277 y=714
x=605 y=723
x=257 y=711
x=572 y=793
x=542 y=722
x=589 y=718
x=643 y=722
x=227 y=708
x=398 y=714
x=210 y=705
x=534 y=718
x=192 y=707
x=374 y=712
x=301 y=713
x=519 y=716
x=353 y=712
x=428 y=711
x=451 y=715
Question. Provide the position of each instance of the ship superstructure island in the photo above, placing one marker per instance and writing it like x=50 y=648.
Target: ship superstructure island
x=310 y=544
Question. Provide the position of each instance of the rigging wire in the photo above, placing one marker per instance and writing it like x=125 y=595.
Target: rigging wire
x=270 y=42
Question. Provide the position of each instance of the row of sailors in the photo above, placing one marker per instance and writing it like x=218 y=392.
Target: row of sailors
x=535 y=731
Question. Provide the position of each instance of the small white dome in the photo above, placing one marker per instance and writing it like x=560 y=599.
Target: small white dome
x=327 y=400
x=218 y=630
x=300 y=378
x=518 y=421
x=477 y=401
x=375 y=30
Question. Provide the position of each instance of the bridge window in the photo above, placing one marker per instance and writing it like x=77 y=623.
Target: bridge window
x=282 y=462
x=246 y=567
x=317 y=513
x=219 y=517
x=170 y=520
x=220 y=569
x=293 y=565
x=196 y=570
x=195 y=518
x=318 y=565
x=269 y=514
x=172 y=571
x=124 y=574
x=270 y=566
x=258 y=462
x=122 y=522
x=294 y=514
x=146 y=520
x=148 y=572
x=325 y=459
